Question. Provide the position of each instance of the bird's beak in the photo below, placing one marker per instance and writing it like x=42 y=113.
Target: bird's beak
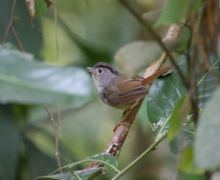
x=89 y=69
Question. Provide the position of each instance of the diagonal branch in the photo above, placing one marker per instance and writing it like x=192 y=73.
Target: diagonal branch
x=10 y=24
x=157 y=39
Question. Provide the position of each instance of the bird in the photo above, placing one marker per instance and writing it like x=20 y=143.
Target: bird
x=119 y=90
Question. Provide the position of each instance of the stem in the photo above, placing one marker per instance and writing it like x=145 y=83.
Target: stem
x=146 y=152
x=56 y=132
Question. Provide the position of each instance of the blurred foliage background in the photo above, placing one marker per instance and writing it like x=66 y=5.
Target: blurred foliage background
x=42 y=62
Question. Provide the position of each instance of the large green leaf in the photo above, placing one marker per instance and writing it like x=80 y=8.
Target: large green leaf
x=207 y=142
x=9 y=145
x=162 y=98
x=165 y=92
x=26 y=81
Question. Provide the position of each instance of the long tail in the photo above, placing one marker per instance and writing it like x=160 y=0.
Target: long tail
x=157 y=74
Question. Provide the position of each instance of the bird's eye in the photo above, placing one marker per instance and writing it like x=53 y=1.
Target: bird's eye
x=99 y=70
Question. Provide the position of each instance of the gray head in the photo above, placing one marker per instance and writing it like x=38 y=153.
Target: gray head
x=102 y=74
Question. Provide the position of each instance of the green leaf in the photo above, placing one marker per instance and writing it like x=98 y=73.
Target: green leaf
x=162 y=98
x=10 y=144
x=186 y=176
x=136 y=55
x=180 y=43
x=26 y=81
x=174 y=11
x=104 y=158
x=75 y=175
x=208 y=83
x=175 y=119
x=187 y=163
x=181 y=129
x=183 y=138
x=40 y=7
x=207 y=142
x=177 y=10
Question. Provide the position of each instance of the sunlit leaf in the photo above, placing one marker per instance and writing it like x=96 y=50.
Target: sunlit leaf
x=26 y=81
x=207 y=142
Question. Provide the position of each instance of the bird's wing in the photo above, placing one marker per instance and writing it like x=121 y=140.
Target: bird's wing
x=128 y=92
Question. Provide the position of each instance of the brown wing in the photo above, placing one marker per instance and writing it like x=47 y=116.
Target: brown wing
x=125 y=94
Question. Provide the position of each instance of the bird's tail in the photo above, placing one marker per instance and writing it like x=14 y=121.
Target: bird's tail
x=160 y=72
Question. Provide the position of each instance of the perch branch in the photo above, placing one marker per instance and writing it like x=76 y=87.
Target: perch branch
x=121 y=130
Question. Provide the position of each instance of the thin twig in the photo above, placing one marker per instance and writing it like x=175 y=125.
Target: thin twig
x=157 y=39
x=55 y=126
x=21 y=47
x=10 y=24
